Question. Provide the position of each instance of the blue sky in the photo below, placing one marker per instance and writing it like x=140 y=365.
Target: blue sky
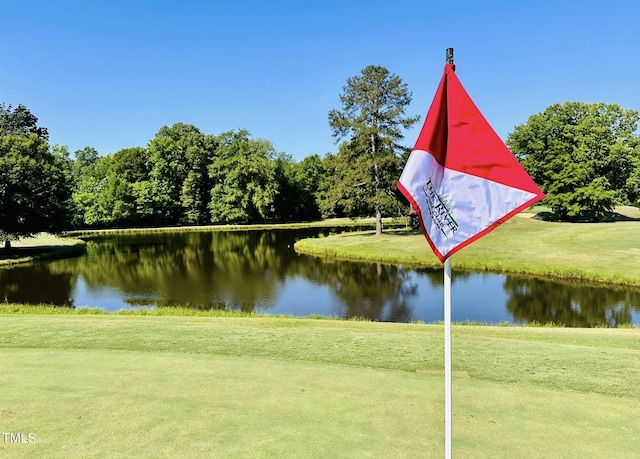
x=110 y=73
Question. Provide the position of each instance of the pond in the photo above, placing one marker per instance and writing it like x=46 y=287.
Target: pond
x=259 y=271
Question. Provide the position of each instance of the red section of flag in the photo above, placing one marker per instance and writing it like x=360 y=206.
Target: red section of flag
x=461 y=139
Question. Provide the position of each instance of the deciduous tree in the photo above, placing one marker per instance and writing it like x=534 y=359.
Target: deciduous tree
x=20 y=121
x=35 y=189
x=297 y=184
x=179 y=154
x=35 y=182
x=583 y=156
x=243 y=173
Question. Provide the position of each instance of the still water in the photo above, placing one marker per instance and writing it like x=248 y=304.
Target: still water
x=259 y=271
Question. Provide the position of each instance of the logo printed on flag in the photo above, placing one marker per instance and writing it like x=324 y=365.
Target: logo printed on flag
x=461 y=179
x=439 y=211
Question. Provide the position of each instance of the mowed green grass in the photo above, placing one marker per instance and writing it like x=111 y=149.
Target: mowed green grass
x=605 y=252
x=150 y=386
x=40 y=247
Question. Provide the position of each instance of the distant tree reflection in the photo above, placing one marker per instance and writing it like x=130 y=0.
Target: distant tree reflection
x=367 y=290
x=36 y=284
x=570 y=304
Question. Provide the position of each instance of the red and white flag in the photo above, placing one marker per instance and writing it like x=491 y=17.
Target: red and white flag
x=461 y=179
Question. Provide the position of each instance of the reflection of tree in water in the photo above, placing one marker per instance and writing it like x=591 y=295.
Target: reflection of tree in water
x=572 y=305
x=435 y=277
x=236 y=270
x=36 y=284
x=369 y=291
x=247 y=268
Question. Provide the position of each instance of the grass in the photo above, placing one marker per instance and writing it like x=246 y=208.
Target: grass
x=152 y=386
x=603 y=252
x=41 y=247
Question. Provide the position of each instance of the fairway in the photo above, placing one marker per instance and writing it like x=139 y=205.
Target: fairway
x=147 y=386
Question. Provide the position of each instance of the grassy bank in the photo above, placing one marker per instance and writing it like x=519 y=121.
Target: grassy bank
x=125 y=386
x=604 y=252
x=41 y=247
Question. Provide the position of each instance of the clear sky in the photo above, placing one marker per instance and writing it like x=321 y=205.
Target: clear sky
x=110 y=73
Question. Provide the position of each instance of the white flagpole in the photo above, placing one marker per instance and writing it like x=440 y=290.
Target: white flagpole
x=447 y=337
x=447 y=358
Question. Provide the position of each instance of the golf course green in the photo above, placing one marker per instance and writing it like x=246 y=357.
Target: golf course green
x=82 y=384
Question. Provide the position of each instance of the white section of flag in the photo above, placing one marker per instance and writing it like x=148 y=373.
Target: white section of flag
x=456 y=208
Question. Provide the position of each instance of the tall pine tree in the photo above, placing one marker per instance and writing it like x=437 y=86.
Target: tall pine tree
x=368 y=164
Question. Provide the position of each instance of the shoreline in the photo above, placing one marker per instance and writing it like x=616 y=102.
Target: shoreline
x=41 y=247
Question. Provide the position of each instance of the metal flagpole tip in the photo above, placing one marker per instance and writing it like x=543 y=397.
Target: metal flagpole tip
x=449 y=55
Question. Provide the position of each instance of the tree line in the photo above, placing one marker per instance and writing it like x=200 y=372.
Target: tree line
x=585 y=157
x=186 y=177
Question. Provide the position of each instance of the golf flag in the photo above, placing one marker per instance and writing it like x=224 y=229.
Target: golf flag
x=461 y=179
